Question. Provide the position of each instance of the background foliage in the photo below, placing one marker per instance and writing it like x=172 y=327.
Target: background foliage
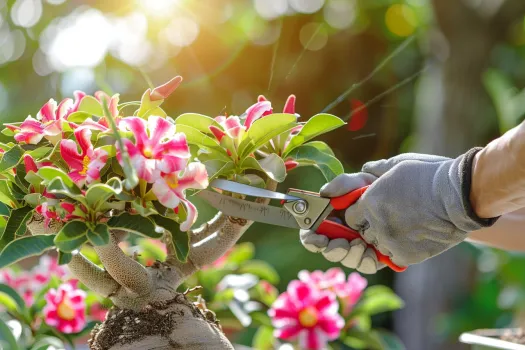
x=230 y=51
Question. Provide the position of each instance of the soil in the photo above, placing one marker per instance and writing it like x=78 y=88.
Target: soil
x=514 y=336
x=127 y=326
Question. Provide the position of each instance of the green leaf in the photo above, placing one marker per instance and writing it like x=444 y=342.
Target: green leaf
x=135 y=224
x=194 y=136
x=50 y=175
x=308 y=155
x=260 y=269
x=180 y=239
x=92 y=106
x=6 y=194
x=263 y=339
x=8 y=132
x=99 y=236
x=40 y=152
x=64 y=258
x=4 y=210
x=363 y=340
x=144 y=211
x=241 y=253
x=11 y=158
x=71 y=236
x=263 y=130
x=206 y=154
x=98 y=194
x=377 y=299
x=33 y=199
x=315 y=126
x=32 y=178
x=25 y=247
x=57 y=186
x=216 y=168
x=389 y=340
x=198 y=121
x=13 y=294
x=251 y=180
x=16 y=225
x=274 y=167
x=321 y=146
x=80 y=116
x=6 y=337
x=47 y=342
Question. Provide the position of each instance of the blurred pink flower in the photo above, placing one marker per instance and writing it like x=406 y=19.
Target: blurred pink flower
x=47 y=267
x=349 y=291
x=169 y=189
x=97 y=312
x=157 y=148
x=85 y=166
x=65 y=309
x=308 y=314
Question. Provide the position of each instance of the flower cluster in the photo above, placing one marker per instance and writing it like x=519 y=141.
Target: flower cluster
x=29 y=283
x=309 y=309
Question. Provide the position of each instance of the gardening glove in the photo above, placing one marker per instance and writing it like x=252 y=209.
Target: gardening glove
x=417 y=206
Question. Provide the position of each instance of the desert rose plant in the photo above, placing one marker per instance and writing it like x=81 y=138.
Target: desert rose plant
x=91 y=171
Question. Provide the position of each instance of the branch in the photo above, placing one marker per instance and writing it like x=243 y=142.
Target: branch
x=217 y=244
x=126 y=271
x=208 y=228
x=93 y=276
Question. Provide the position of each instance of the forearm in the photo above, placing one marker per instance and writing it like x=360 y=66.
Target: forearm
x=498 y=180
x=508 y=233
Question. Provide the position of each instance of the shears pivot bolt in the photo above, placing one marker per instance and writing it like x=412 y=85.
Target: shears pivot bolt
x=300 y=207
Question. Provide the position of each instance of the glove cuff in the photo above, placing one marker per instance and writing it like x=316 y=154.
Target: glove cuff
x=466 y=185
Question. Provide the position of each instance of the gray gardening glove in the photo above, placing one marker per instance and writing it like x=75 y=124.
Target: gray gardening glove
x=416 y=207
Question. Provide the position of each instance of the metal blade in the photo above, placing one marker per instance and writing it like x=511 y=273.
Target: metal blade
x=249 y=190
x=240 y=208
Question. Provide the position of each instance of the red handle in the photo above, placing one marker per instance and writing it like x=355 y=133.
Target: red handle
x=333 y=230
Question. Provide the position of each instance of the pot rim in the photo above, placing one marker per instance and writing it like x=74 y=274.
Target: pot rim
x=487 y=337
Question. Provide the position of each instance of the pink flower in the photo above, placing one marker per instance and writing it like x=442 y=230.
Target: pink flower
x=48 y=211
x=85 y=166
x=162 y=92
x=157 y=148
x=48 y=122
x=308 y=314
x=65 y=309
x=98 y=312
x=169 y=189
x=349 y=291
x=46 y=268
x=232 y=126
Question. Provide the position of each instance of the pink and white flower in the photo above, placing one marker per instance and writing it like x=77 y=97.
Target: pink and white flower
x=85 y=166
x=157 y=148
x=232 y=126
x=170 y=188
x=348 y=290
x=65 y=309
x=48 y=121
x=308 y=314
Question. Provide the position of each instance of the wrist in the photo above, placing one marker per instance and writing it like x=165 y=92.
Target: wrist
x=498 y=181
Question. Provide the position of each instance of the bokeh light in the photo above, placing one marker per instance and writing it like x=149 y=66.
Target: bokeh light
x=182 y=31
x=340 y=14
x=313 y=36
x=270 y=9
x=4 y=97
x=26 y=13
x=159 y=8
x=306 y=6
x=401 y=20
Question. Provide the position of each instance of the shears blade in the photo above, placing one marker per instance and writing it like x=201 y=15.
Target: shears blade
x=252 y=211
x=247 y=190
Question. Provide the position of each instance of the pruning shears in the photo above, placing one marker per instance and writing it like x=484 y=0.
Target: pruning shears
x=300 y=210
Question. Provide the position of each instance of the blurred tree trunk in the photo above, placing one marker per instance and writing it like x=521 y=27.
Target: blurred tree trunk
x=453 y=114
